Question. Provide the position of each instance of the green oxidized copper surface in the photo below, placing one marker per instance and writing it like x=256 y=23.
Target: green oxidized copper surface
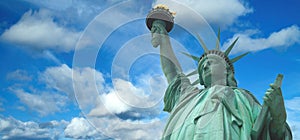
x=221 y=110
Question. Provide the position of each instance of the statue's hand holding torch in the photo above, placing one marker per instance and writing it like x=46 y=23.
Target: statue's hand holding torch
x=160 y=22
x=158 y=32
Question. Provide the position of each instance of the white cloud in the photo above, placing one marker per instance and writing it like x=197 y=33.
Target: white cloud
x=293 y=104
x=50 y=56
x=38 y=31
x=19 y=75
x=42 y=102
x=89 y=87
x=294 y=125
x=140 y=102
x=86 y=83
x=103 y=26
x=293 y=113
x=284 y=38
x=59 y=78
x=11 y=128
x=127 y=129
x=213 y=11
x=79 y=128
x=76 y=12
x=108 y=102
x=113 y=103
x=92 y=91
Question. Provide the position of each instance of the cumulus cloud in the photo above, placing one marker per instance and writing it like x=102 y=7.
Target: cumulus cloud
x=124 y=107
x=213 y=11
x=11 y=128
x=128 y=129
x=284 y=38
x=79 y=128
x=113 y=103
x=42 y=102
x=138 y=101
x=38 y=31
x=130 y=111
x=59 y=78
x=84 y=82
x=91 y=90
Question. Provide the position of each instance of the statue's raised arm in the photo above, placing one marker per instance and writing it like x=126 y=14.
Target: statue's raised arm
x=159 y=21
x=220 y=110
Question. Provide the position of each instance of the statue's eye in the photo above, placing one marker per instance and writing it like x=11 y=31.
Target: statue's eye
x=208 y=63
x=205 y=68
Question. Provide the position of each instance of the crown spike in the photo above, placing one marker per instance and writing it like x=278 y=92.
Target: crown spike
x=202 y=43
x=238 y=57
x=192 y=73
x=218 y=41
x=230 y=47
x=191 y=56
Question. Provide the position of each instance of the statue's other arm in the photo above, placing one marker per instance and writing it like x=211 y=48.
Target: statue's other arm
x=169 y=62
x=274 y=100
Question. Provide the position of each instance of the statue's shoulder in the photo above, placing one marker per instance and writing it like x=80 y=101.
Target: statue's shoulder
x=248 y=94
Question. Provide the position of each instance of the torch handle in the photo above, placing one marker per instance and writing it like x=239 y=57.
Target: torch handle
x=261 y=119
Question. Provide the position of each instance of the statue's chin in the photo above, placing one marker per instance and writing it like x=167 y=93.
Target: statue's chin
x=216 y=82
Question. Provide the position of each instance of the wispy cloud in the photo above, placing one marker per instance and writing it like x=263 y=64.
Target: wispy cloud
x=76 y=13
x=293 y=104
x=49 y=55
x=293 y=113
x=1 y=104
x=247 y=42
x=19 y=75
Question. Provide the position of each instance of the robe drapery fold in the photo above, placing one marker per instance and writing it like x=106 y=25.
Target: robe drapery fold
x=215 y=113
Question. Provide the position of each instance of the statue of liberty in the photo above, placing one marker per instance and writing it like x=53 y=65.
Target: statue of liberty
x=220 y=110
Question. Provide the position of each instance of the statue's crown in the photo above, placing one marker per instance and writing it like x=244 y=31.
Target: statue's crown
x=217 y=52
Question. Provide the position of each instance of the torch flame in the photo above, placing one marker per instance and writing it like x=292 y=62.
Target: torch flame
x=161 y=6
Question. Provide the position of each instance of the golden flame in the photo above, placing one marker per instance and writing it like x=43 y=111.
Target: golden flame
x=161 y=6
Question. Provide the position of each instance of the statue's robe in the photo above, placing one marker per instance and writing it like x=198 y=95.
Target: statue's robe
x=215 y=113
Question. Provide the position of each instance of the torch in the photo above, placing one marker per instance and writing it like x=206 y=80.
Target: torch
x=161 y=12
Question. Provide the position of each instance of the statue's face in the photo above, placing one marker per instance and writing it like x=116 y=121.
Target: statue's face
x=213 y=71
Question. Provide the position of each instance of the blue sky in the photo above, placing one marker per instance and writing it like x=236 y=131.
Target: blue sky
x=74 y=69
